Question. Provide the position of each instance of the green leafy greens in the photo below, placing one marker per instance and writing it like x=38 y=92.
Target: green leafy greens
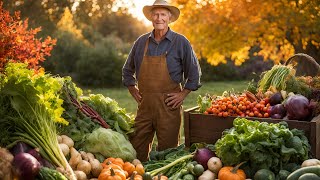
x=262 y=145
x=30 y=108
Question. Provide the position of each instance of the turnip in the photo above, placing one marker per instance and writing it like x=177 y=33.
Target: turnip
x=67 y=140
x=207 y=175
x=96 y=166
x=65 y=149
x=310 y=162
x=214 y=164
x=80 y=175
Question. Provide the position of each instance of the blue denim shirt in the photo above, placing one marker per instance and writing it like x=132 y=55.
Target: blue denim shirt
x=183 y=65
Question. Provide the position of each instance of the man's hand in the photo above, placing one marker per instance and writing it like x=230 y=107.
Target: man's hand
x=175 y=100
x=134 y=91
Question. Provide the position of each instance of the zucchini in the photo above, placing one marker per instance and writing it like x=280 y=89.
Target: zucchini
x=309 y=176
x=310 y=169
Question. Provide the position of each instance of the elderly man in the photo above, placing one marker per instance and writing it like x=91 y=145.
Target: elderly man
x=158 y=63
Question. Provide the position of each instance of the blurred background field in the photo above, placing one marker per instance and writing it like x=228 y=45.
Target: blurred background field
x=125 y=100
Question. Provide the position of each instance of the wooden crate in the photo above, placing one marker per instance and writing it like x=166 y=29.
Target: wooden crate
x=208 y=128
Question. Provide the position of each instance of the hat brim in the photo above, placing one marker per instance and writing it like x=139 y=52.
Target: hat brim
x=174 y=11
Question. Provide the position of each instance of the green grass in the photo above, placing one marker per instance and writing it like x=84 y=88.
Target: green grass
x=125 y=100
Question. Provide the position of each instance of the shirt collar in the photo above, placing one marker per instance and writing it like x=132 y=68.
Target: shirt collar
x=169 y=34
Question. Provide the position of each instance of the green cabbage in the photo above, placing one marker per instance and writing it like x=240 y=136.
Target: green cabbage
x=109 y=143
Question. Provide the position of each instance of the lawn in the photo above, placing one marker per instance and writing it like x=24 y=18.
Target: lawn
x=125 y=100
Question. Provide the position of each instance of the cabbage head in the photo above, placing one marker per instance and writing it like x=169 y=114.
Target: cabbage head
x=109 y=143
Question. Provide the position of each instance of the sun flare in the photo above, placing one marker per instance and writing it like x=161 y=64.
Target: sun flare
x=137 y=10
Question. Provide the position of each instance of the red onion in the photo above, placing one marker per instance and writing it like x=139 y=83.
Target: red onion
x=26 y=166
x=202 y=156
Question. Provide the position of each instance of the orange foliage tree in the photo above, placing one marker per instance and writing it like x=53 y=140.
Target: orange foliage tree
x=227 y=28
x=19 y=44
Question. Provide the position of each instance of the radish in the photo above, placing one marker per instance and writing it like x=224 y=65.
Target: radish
x=214 y=164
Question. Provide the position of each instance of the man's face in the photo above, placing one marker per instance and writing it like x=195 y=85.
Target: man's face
x=160 y=18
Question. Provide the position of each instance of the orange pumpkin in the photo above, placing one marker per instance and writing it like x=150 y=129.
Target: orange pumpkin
x=140 y=169
x=135 y=176
x=117 y=161
x=129 y=167
x=232 y=173
x=112 y=174
x=108 y=165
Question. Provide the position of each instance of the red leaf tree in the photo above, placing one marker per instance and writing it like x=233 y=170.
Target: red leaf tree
x=19 y=44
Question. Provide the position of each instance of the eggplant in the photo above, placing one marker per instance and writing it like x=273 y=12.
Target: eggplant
x=26 y=166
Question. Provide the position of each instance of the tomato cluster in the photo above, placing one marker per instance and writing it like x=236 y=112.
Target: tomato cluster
x=239 y=105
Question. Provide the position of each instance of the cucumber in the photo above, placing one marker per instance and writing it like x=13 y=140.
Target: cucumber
x=309 y=176
x=310 y=169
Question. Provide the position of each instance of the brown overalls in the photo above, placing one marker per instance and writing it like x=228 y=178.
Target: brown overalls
x=153 y=115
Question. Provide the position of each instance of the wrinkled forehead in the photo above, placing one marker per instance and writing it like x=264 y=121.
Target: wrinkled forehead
x=160 y=10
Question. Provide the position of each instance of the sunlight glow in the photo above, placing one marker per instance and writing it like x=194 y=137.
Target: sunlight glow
x=137 y=10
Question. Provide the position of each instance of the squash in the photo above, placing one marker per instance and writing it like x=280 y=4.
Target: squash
x=112 y=174
x=111 y=165
x=264 y=174
x=214 y=164
x=232 y=173
x=117 y=161
x=310 y=162
x=309 y=176
x=299 y=172
x=147 y=176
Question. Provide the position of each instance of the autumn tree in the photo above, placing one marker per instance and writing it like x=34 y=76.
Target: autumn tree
x=18 y=43
x=229 y=29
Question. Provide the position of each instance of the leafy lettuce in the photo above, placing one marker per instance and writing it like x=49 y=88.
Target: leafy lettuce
x=262 y=145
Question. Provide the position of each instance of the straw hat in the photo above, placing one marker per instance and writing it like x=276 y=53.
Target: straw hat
x=161 y=3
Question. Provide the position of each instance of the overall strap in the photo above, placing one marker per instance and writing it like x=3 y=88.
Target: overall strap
x=146 y=46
